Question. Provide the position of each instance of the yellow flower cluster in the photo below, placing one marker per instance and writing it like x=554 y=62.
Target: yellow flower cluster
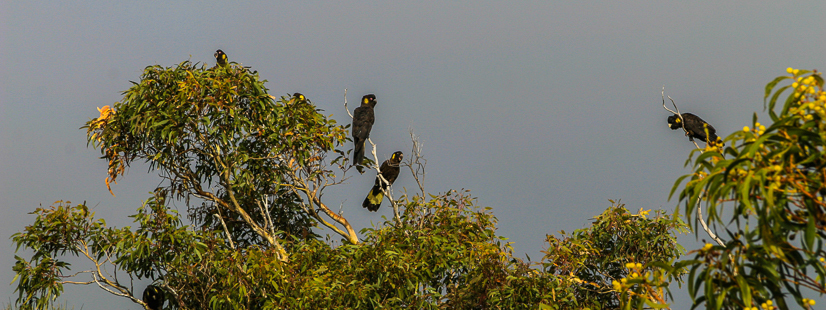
x=635 y=268
x=758 y=128
x=815 y=106
x=738 y=172
x=808 y=87
x=767 y=305
x=804 y=85
x=809 y=302
x=617 y=285
x=707 y=247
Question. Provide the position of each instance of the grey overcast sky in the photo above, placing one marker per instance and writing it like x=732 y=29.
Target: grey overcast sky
x=544 y=110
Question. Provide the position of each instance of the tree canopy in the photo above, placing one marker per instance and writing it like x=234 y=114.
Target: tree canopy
x=252 y=169
x=217 y=135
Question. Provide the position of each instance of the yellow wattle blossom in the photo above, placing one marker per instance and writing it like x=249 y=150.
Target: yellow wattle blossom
x=809 y=80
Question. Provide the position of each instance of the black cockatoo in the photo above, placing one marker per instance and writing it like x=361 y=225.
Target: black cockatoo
x=695 y=127
x=390 y=171
x=363 y=119
x=153 y=297
x=221 y=58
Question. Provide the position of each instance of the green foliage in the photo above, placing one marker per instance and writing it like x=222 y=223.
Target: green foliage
x=772 y=181
x=618 y=261
x=53 y=233
x=61 y=230
x=215 y=134
x=445 y=254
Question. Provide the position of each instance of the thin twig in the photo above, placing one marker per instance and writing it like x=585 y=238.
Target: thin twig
x=263 y=214
x=267 y=207
x=672 y=101
x=100 y=279
x=345 y=104
x=416 y=159
x=229 y=237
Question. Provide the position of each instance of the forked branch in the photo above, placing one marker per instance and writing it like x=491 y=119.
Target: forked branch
x=416 y=162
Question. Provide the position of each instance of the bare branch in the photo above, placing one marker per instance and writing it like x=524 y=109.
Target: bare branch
x=263 y=214
x=345 y=104
x=416 y=162
x=235 y=207
x=99 y=278
x=301 y=187
x=269 y=218
x=672 y=101
x=705 y=226
x=229 y=237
